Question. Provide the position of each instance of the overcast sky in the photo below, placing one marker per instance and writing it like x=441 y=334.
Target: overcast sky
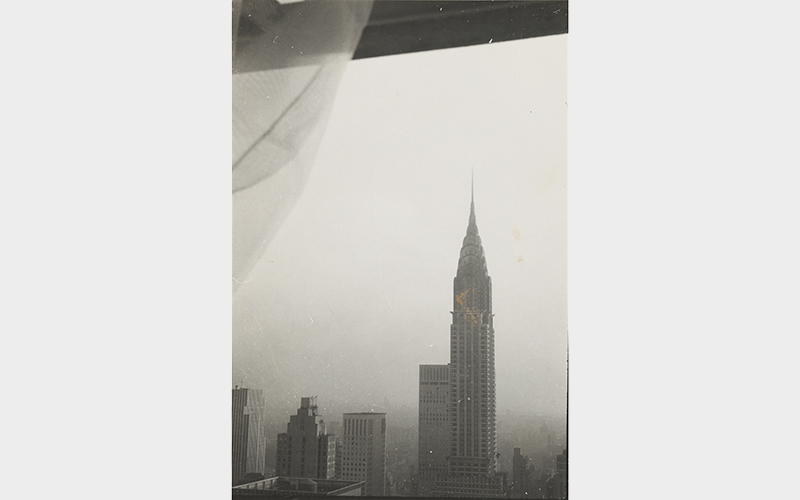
x=354 y=291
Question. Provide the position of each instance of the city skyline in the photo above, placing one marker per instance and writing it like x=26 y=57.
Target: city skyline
x=360 y=269
x=542 y=438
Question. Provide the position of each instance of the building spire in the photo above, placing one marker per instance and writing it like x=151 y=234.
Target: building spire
x=471 y=248
x=472 y=199
x=472 y=191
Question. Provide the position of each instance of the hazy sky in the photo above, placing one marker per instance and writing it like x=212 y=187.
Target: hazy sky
x=354 y=291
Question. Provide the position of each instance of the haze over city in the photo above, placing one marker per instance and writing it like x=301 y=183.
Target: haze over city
x=355 y=290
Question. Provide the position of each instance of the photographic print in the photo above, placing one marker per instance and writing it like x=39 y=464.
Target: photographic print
x=400 y=250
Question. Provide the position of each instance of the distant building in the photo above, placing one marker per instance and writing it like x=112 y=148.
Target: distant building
x=519 y=475
x=305 y=450
x=538 y=486
x=337 y=467
x=334 y=428
x=249 y=438
x=434 y=425
x=398 y=435
x=297 y=487
x=364 y=451
x=557 y=485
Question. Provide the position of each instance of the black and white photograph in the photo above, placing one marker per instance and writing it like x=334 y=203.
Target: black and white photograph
x=466 y=249
x=399 y=249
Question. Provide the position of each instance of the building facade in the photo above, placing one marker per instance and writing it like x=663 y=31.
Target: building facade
x=249 y=435
x=305 y=450
x=434 y=425
x=471 y=460
x=364 y=451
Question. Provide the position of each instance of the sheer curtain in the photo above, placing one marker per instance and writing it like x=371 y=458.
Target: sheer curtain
x=287 y=64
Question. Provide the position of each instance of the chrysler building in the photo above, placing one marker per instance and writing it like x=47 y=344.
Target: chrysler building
x=471 y=458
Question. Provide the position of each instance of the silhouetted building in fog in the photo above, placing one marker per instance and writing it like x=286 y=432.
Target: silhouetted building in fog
x=364 y=451
x=471 y=461
x=334 y=428
x=305 y=450
x=434 y=425
x=519 y=475
x=249 y=435
x=557 y=485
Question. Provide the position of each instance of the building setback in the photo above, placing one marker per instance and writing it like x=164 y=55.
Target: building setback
x=249 y=437
x=434 y=428
x=305 y=450
x=364 y=451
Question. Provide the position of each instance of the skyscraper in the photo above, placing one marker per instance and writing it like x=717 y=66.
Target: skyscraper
x=472 y=387
x=434 y=425
x=472 y=451
x=364 y=451
x=249 y=437
x=305 y=449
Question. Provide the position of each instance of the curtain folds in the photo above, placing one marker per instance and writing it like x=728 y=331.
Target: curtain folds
x=287 y=64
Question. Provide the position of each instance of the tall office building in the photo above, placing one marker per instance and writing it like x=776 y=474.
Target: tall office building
x=305 y=449
x=434 y=425
x=249 y=436
x=472 y=451
x=364 y=451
